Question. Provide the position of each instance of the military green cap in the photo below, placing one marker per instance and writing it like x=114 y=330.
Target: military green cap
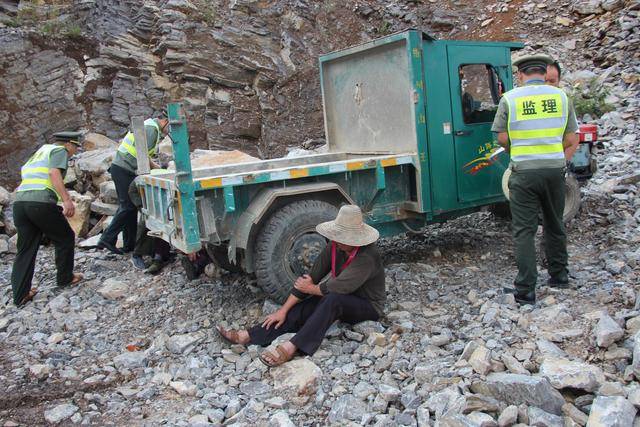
x=528 y=61
x=68 y=136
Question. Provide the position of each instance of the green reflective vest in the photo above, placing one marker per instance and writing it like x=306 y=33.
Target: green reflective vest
x=538 y=116
x=128 y=144
x=35 y=173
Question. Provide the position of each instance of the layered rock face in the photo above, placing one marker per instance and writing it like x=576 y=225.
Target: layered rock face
x=246 y=70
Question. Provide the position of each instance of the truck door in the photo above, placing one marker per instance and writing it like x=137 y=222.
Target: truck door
x=478 y=76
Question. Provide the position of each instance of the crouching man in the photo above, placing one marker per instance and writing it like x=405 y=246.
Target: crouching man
x=353 y=292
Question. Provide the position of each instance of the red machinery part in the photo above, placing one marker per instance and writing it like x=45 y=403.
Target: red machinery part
x=588 y=133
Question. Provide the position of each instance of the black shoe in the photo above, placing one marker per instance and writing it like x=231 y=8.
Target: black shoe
x=108 y=246
x=522 y=298
x=559 y=284
x=190 y=269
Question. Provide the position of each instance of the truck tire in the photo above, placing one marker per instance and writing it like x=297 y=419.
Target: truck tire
x=287 y=245
x=571 y=198
x=572 y=195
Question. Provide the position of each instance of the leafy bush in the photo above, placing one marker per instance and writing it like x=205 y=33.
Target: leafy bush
x=207 y=11
x=589 y=98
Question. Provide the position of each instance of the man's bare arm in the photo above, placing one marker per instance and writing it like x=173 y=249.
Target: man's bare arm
x=570 y=144
x=503 y=140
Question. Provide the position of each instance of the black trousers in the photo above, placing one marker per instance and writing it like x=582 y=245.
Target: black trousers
x=312 y=317
x=33 y=220
x=532 y=190
x=126 y=216
x=150 y=246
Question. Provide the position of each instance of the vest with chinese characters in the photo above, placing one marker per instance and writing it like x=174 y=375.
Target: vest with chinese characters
x=538 y=116
x=128 y=144
x=35 y=173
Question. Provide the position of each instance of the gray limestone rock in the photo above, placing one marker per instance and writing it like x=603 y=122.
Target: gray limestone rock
x=611 y=412
x=540 y=418
x=347 y=408
x=113 y=289
x=446 y=402
x=607 y=331
x=480 y=360
x=508 y=417
x=563 y=373
x=60 y=413
x=184 y=343
x=521 y=389
x=280 y=419
x=575 y=414
x=513 y=365
x=108 y=192
x=130 y=360
x=481 y=419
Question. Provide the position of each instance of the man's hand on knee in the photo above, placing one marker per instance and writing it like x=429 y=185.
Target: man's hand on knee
x=277 y=318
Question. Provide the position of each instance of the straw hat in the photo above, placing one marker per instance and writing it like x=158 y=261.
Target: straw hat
x=348 y=228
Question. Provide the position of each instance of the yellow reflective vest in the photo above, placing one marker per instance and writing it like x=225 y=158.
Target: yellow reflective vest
x=537 y=119
x=35 y=173
x=128 y=143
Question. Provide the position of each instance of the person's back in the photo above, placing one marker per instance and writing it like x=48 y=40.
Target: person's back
x=536 y=123
x=537 y=119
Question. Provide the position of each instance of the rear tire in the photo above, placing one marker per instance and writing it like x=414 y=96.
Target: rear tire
x=287 y=245
x=571 y=198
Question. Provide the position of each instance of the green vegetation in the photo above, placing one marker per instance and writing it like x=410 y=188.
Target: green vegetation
x=45 y=19
x=11 y=22
x=589 y=98
x=385 y=28
x=206 y=11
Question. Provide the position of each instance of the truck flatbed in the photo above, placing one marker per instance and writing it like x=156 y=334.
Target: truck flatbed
x=281 y=169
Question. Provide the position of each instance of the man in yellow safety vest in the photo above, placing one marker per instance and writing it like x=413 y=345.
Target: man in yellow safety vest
x=536 y=123
x=123 y=172
x=36 y=213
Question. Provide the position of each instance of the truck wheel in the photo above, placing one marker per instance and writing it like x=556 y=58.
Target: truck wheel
x=287 y=245
x=571 y=198
x=220 y=257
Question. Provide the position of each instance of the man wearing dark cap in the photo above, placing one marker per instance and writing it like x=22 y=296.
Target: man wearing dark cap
x=36 y=213
x=123 y=171
x=536 y=123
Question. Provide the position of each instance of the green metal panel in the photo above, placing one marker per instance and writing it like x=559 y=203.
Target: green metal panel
x=478 y=166
x=440 y=152
x=415 y=52
x=460 y=175
x=183 y=178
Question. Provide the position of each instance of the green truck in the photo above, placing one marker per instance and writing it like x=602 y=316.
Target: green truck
x=407 y=123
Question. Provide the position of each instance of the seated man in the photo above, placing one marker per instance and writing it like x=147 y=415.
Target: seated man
x=354 y=291
x=155 y=247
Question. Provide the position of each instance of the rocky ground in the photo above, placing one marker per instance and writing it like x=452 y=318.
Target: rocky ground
x=127 y=348
x=453 y=350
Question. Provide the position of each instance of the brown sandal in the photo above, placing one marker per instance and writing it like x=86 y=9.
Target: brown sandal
x=32 y=293
x=230 y=336
x=280 y=357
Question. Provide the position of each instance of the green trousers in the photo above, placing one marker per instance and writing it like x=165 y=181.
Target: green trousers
x=532 y=191
x=33 y=220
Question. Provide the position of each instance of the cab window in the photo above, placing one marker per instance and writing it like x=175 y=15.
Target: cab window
x=480 y=92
